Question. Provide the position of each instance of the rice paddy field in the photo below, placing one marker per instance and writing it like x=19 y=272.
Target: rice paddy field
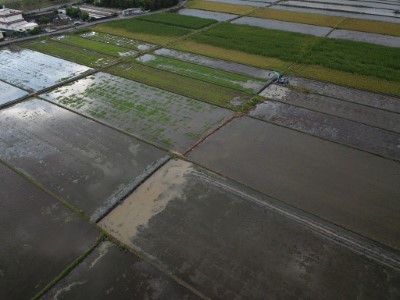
x=205 y=153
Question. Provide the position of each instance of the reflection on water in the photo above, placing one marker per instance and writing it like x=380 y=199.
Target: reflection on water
x=33 y=70
x=9 y=93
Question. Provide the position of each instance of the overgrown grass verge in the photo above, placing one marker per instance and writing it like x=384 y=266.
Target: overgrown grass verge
x=297 y=17
x=220 y=7
x=71 y=53
x=141 y=30
x=179 y=84
x=178 y=20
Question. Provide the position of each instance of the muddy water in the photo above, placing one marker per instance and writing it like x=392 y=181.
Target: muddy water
x=379 y=39
x=337 y=13
x=217 y=63
x=219 y=237
x=376 y=100
x=337 y=183
x=40 y=237
x=169 y=120
x=336 y=107
x=357 y=3
x=206 y=14
x=9 y=93
x=285 y=26
x=79 y=160
x=371 y=139
x=32 y=70
x=112 y=273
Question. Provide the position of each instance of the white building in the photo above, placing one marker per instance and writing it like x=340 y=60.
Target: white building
x=12 y=20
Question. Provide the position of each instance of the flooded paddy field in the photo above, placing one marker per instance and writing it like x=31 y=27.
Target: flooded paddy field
x=345 y=186
x=364 y=137
x=31 y=70
x=217 y=63
x=367 y=37
x=110 y=272
x=244 y=2
x=206 y=14
x=229 y=242
x=285 y=26
x=84 y=163
x=40 y=237
x=116 y=40
x=337 y=13
x=376 y=100
x=357 y=9
x=71 y=53
x=345 y=109
x=169 y=120
x=228 y=79
x=10 y=93
x=104 y=48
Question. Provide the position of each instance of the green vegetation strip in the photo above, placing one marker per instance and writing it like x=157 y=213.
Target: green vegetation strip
x=343 y=55
x=232 y=80
x=178 y=20
x=71 y=53
x=182 y=85
x=103 y=48
x=141 y=30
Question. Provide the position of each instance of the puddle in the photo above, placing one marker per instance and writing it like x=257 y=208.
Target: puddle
x=167 y=119
x=285 y=26
x=112 y=273
x=212 y=228
x=40 y=237
x=10 y=93
x=217 y=63
x=146 y=58
x=207 y=14
x=126 y=54
x=33 y=70
x=374 y=38
x=79 y=160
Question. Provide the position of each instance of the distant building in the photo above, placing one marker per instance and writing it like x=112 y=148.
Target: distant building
x=12 y=20
x=132 y=11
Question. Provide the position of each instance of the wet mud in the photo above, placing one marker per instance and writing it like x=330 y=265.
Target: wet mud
x=364 y=137
x=344 y=109
x=353 y=189
x=81 y=161
x=219 y=238
x=40 y=237
x=207 y=14
x=169 y=120
x=113 y=273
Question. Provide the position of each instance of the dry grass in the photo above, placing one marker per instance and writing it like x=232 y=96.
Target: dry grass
x=232 y=55
x=349 y=79
x=298 y=17
x=371 y=26
x=220 y=7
